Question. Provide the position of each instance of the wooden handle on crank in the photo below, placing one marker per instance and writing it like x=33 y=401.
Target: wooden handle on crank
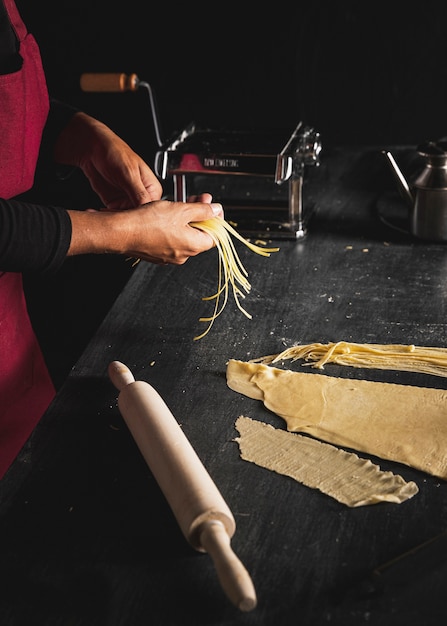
x=200 y=510
x=111 y=82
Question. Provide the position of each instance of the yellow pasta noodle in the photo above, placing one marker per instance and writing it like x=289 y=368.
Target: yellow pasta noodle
x=231 y=270
x=410 y=358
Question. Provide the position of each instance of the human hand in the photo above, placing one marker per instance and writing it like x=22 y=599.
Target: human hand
x=119 y=176
x=203 y=197
x=159 y=232
x=164 y=231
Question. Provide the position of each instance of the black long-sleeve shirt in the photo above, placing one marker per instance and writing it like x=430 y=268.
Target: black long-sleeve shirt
x=32 y=237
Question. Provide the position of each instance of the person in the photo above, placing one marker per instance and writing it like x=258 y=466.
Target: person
x=135 y=220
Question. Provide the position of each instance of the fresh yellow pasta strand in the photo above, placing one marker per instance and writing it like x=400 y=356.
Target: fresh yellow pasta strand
x=411 y=358
x=231 y=269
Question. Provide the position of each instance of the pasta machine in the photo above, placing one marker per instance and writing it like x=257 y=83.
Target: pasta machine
x=258 y=176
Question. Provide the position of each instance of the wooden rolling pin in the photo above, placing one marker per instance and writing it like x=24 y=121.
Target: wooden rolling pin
x=200 y=510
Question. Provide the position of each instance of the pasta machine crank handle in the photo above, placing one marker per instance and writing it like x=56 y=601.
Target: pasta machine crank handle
x=114 y=82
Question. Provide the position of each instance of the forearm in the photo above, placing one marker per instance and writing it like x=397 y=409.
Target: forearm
x=99 y=232
x=76 y=137
x=59 y=118
x=159 y=232
x=32 y=237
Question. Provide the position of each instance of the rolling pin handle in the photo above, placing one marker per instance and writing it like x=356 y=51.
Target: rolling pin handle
x=120 y=375
x=109 y=82
x=233 y=577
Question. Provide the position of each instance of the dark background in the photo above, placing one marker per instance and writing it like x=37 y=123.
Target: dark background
x=359 y=73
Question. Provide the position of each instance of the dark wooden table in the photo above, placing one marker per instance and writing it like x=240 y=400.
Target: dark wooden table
x=86 y=537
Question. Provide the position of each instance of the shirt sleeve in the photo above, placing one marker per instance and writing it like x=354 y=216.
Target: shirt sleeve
x=33 y=238
x=59 y=115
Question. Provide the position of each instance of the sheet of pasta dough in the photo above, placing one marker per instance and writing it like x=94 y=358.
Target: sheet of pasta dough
x=342 y=475
x=396 y=422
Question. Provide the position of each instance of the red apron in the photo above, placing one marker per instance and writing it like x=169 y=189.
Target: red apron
x=26 y=389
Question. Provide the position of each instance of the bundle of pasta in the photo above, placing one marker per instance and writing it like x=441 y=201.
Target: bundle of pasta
x=410 y=358
x=231 y=270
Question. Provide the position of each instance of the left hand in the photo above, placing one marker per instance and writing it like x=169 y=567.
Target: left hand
x=120 y=177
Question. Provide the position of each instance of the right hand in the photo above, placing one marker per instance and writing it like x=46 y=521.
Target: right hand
x=164 y=233
x=159 y=232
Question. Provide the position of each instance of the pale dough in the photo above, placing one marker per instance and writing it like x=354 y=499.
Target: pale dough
x=339 y=474
x=396 y=422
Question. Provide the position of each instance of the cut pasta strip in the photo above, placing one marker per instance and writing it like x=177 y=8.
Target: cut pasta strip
x=410 y=358
x=231 y=270
x=341 y=475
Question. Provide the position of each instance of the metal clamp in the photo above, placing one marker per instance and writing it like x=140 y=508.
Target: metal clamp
x=302 y=149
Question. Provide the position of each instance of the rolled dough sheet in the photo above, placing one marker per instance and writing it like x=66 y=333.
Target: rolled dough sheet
x=396 y=422
x=342 y=475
